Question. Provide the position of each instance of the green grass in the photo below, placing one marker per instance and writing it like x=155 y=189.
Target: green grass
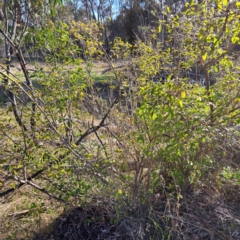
x=95 y=77
x=102 y=77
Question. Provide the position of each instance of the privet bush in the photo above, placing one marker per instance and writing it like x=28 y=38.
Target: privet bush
x=76 y=146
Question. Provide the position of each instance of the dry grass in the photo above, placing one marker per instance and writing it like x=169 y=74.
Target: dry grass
x=25 y=213
x=203 y=214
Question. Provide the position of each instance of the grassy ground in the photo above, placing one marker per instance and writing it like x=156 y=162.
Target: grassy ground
x=26 y=213
x=200 y=215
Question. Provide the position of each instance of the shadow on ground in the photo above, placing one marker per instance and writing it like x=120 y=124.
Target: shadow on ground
x=92 y=223
x=202 y=215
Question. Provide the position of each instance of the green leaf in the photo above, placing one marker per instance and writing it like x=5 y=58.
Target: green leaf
x=169 y=77
x=183 y=94
x=209 y=38
x=204 y=56
x=180 y=103
x=154 y=116
x=219 y=5
x=168 y=9
x=225 y=2
x=235 y=39
x=215 y=69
